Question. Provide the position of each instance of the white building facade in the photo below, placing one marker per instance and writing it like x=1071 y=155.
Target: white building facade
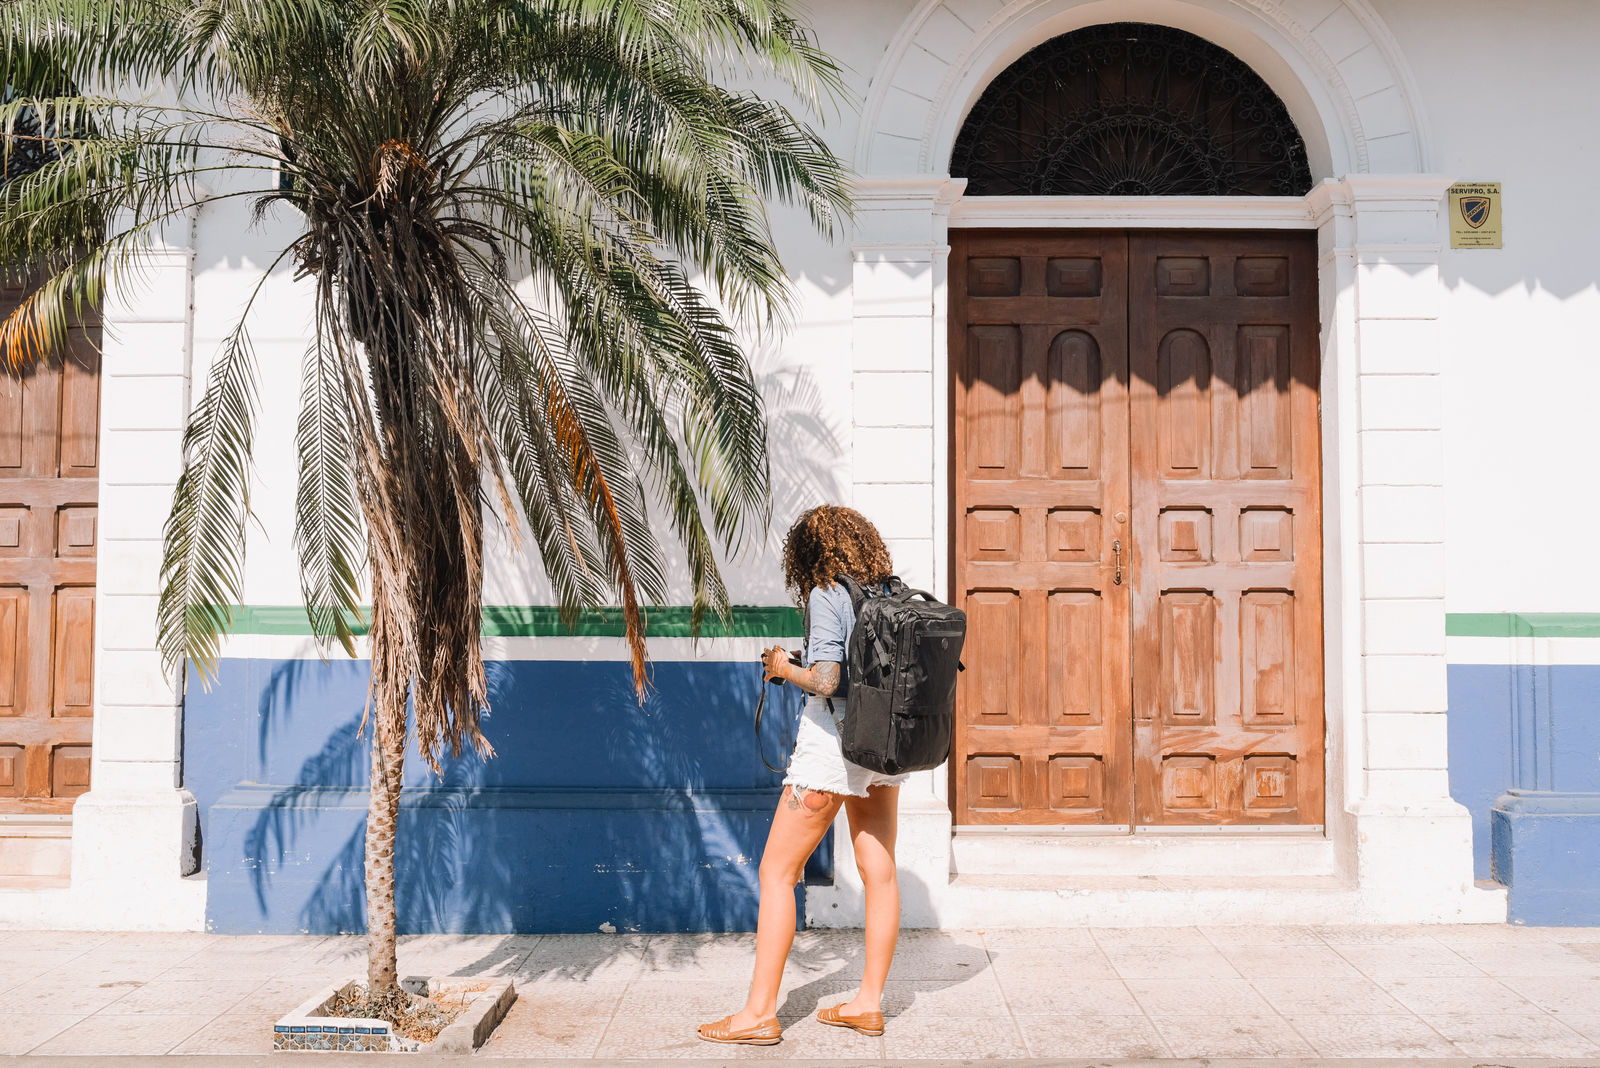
x=1453 y=642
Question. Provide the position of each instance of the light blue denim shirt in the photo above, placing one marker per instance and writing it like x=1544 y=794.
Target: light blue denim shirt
x=831 y=619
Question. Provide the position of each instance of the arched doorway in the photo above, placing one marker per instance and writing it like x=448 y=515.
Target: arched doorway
x=1393 y=840
x=1136 y=453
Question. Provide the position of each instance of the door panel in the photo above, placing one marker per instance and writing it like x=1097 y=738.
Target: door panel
x=1040 y=362
x=1227 y=607
x=1140 y=407
x=49 y=468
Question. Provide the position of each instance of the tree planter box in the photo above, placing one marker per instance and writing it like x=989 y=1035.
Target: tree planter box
x=310 y=1028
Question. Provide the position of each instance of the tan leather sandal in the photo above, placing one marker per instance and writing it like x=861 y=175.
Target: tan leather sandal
x=769 y=1033
x=868 y=1023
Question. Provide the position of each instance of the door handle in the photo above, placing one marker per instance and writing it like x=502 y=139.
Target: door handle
x=1116 y=549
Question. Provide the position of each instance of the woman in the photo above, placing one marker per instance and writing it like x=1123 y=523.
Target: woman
x=824 y=542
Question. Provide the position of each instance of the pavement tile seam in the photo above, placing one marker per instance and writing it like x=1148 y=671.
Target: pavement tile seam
x=1532 y=1002
x=1291 y=1026
x=1029 y=1024
x=125 y=1032
x=1558 y=1039
x=611 y=1018
x=1011 y=1014
x=1370 y=1044
x=56 y=1022
x=1322 y=1002
x=1196 y=1036
x=1300 y=1031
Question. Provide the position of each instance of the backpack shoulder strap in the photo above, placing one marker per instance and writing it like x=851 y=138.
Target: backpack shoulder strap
x=853 y=588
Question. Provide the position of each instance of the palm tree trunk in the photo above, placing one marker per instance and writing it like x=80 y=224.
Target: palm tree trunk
x=383 y=811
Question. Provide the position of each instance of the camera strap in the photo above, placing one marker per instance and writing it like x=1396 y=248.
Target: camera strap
x=761 y=706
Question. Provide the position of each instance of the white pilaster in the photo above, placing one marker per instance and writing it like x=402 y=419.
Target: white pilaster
x=899 y=371
x=1413 y=844
x=898 y=366
x=134 y=836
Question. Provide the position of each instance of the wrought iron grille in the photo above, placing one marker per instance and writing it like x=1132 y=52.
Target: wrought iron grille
x=1129 y=109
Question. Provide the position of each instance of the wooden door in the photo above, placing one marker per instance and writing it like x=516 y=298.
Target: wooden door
x=1227 y=540
x=1136 y=533
x=1041 y=475
x=49 y=480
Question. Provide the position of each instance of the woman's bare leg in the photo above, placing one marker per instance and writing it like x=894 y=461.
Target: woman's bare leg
x=873 y=820
x=803 y=817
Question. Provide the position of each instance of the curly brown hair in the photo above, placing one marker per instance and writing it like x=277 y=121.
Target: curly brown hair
x=829 y=540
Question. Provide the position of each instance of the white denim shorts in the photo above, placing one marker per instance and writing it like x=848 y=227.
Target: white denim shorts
x=818 y=764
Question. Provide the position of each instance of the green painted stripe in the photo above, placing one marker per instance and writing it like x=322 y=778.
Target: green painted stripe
x=1522 y=624
x=662 y=621
x=544 y=621
x=782 y=621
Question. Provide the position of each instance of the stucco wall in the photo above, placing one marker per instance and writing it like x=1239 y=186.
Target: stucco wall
x=1503 y=95
x=1509 y=97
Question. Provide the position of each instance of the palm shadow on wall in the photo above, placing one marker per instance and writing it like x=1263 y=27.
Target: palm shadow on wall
x=658 y=809
x=600 y=812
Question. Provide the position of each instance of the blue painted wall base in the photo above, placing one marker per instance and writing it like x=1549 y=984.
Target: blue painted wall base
x=597 y=810
x=1546 y=849
x=1528 y=729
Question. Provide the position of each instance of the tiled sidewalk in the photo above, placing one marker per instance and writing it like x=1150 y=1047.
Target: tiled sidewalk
x=1281 y=992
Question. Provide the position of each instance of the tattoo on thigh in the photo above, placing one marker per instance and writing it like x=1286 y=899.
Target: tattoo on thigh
x=813 y=800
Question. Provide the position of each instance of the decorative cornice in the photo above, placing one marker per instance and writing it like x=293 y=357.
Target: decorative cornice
x=890 y=191
x=1421 y=187
x=1342 y=196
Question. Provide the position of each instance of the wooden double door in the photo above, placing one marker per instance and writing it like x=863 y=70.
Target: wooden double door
x=1137 y=541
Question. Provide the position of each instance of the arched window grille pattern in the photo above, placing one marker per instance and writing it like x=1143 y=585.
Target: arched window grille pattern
x=1129 y=109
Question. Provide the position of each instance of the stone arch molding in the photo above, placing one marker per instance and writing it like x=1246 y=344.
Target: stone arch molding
x=1333 y=61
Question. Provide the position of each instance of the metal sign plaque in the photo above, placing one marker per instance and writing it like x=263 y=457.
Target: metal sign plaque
x=1475 y=215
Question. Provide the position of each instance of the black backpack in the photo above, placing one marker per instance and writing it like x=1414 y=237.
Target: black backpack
x=905 y=652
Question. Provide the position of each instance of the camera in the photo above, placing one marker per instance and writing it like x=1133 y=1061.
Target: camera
x=794 y=658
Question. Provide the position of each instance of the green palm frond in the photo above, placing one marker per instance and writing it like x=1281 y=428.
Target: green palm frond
x=202 y=565
x=328 y=531
x=539 y=238
x=538 y=241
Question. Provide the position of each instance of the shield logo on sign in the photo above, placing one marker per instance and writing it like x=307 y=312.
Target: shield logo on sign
x=1475 y=210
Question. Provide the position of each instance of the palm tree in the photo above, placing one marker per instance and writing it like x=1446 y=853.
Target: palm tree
x=501 y=207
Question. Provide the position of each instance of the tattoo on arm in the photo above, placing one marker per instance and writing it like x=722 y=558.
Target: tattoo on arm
x=821 y=678
x=826 y=675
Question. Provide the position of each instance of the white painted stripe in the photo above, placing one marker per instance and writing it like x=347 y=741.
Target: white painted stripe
x=1574 y=651
x=708 y=650
x=287 y=647
x=1478 y=650
x=662 y=650
x=1458 y=649
x=1538 y=652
